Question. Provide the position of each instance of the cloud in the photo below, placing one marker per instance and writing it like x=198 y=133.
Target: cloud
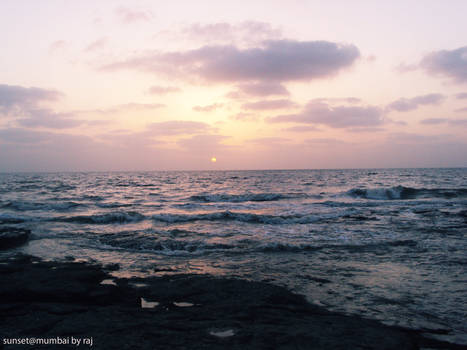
x=448 y=63
x=242 y=34
x=269 y=141
x=57 y=46
x=335 y=117
x=24 y=136
x=163 y=90
x=301 y=128
x=247 y=32
x=178 y=127
x=461 y=96
x=405 y=68
x=432 y=121
x=278 y=60
x=259 y=89
x=96 y=45
x=461 y=110
x=203 y=144
x=437 y=121
x=208 y=108
x=126 y=107
x=127 y=15
x=408 y=104
x=268 y=105
x=243 y=116
x=365 y=129
x=47 y=118
x=18 y=97
x=349 y=100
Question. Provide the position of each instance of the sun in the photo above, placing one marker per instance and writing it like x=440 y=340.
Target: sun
x=213 y=160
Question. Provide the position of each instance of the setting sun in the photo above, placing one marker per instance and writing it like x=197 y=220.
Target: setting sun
x=213 y=160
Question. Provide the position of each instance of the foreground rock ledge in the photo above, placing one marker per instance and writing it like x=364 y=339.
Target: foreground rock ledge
x=63 y=299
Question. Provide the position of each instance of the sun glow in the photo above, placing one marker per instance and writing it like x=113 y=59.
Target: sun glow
x=213 y=160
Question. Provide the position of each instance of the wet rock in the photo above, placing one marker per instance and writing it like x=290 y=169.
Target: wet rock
x=62 y=299
x=11 y=237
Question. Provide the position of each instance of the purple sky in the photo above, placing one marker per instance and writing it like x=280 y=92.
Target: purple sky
x=156 y=85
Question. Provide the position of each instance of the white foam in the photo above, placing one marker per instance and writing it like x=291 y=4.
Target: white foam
x=145 y=304
x=223 y=334
x=108 y=282
x=183 y=304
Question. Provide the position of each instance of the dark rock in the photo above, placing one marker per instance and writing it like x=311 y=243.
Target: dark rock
x=64 y=299
x=11 y=237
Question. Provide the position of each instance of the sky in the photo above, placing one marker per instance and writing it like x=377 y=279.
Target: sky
x=170 y=85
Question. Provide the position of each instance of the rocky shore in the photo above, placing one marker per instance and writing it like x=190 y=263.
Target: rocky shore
x=60 y=300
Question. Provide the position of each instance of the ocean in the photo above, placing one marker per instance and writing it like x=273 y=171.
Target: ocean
x=385 y=244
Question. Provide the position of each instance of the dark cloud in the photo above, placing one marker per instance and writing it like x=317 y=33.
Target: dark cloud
x=449 y=63
x=278 y=60
x=335 y=117
x=208 y=108
x=18 y=97
x=128 y=15
x=259 y=89
x=408 y=104
x=163 y=90
x=268 y=105
x=461 y=96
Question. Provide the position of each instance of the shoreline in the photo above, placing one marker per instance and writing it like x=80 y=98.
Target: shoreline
x=59 y=299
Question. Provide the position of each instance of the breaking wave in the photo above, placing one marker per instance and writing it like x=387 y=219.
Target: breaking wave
x=247 y=197
x=402 y=192
x=109 y=218
x=242 y=217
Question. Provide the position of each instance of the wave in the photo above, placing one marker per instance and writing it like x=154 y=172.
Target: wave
x=182 y=247
x=22 y=206
x=402 y=192
x=167 y=246
x=12 y=219
x=285 y=247
x=247 y=197
x=108 y=218
x=242 y=217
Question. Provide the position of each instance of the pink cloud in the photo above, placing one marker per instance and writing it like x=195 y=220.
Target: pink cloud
x=269 y=104
x=163 y=90
x=96 y=45
x=128 y=15
x=208 y=108
x=279 y=60
x=334 y=116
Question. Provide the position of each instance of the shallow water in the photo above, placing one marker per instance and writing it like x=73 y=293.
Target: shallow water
x=386 y=244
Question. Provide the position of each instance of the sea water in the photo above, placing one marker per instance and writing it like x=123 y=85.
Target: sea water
x=387 y=244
